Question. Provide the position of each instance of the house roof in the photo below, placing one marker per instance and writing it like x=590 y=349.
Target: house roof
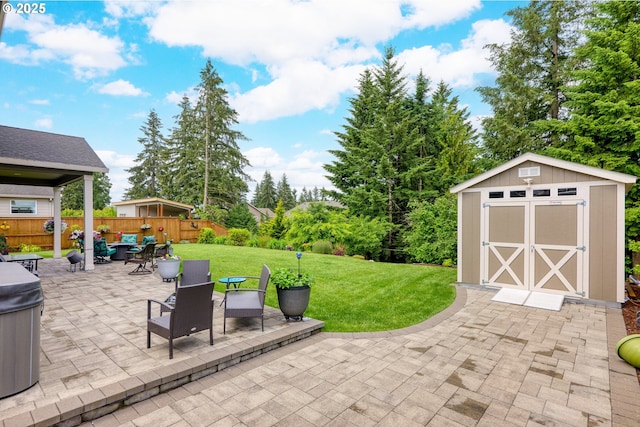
x=30 y=191
x=29 y=157
x=305 y=205
x=152 y=201
x=622 y=178
x=266 y=212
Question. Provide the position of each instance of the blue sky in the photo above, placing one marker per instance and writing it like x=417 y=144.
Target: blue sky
x=96 y=68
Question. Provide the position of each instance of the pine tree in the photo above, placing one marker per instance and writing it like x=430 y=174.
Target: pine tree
x=144 y=177
x=370 y=170
x=285 y=193
x=265 y=195
x=532 y=69
x=225 y=182
x=604 y=100
x=73 y=194
x=240 y=217
x=183 y=183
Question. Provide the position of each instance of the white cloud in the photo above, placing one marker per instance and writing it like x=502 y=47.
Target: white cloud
x=313 y=51
x=263 y=158
x=176 y=98
x=88 y=52
x=120 y=88
x=39 y=102
x=457 y=68
x=129 y=8
x=117 y=160
x=119 y=178
x=297 y=88
x=44 y=123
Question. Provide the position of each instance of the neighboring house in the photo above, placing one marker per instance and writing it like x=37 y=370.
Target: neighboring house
x=25 y=201
x=152 y=207
x=305 y=205
x=260 y=214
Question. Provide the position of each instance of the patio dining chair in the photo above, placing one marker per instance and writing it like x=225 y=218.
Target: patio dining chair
x=193 y=271
x=192 y=312
x=247 y=302
x=142 y=258
x=101 y=252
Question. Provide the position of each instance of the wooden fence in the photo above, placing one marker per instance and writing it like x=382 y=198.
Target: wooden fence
x=30 y=230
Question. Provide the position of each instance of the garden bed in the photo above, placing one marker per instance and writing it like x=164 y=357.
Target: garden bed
x=629 y=310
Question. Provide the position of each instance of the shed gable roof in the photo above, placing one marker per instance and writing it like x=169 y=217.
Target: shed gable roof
x=622 y=178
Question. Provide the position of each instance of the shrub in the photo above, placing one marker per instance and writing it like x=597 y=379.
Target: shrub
x=25 y=247
x=207 y=235
x=220 y=240
x=433 y=234
x=277 y=244
x=238 y=236
x=263 y=241
x=447 y=262
x=322 y=247
x=252 y=243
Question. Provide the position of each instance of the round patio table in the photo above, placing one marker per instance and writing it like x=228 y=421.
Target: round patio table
x=231 y=281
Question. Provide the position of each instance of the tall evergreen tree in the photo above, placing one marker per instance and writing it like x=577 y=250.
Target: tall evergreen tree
x=183 y=183
x=265 y=195
x=371 y=170
x=73 y=194
x=225 y=182
x=604 y=98
x=285 y=193
x=144 y=177
x=453 y=139
x=532 y=69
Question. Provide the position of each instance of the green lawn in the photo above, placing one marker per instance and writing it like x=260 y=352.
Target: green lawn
x=349 y=295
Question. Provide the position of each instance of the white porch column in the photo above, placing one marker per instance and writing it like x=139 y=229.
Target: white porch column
x=88 y=222
x=57 y=242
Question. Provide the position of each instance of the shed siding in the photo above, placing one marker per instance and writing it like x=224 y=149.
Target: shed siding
x=470 y=238
x=126 y=211
x=602 y=248
x=548 y=175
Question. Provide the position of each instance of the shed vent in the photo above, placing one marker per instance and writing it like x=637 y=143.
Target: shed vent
x=529 y=172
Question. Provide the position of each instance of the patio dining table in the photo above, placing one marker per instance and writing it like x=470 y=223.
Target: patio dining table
x=28 y=261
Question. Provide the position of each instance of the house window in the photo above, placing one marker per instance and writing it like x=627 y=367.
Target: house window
x=23 y=206
x=518 y=193
x=496 y=194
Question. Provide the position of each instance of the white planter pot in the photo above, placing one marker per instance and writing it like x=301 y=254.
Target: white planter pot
x=168 y=269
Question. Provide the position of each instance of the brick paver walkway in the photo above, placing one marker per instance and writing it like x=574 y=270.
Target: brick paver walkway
x=488 y=364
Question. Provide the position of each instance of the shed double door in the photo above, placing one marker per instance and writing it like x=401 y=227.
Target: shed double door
x=535 y=246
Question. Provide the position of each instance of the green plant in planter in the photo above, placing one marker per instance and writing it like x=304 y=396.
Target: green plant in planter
x=4 y=248
x=294 y=291
x=285 y=278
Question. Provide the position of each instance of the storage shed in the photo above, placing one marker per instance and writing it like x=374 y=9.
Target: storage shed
x=541 y=224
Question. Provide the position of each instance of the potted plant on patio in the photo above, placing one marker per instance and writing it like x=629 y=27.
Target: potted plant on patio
x=168 y=267
x=294 y=290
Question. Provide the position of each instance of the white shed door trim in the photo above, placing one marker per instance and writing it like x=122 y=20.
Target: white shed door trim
x=535 y=243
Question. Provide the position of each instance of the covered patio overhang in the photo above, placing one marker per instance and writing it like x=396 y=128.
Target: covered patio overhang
x=44 y=159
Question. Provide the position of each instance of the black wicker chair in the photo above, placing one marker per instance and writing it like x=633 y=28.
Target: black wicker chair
x=247 y=302
x=191 y=313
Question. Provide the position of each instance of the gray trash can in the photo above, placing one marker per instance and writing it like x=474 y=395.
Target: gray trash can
x=21 y=302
